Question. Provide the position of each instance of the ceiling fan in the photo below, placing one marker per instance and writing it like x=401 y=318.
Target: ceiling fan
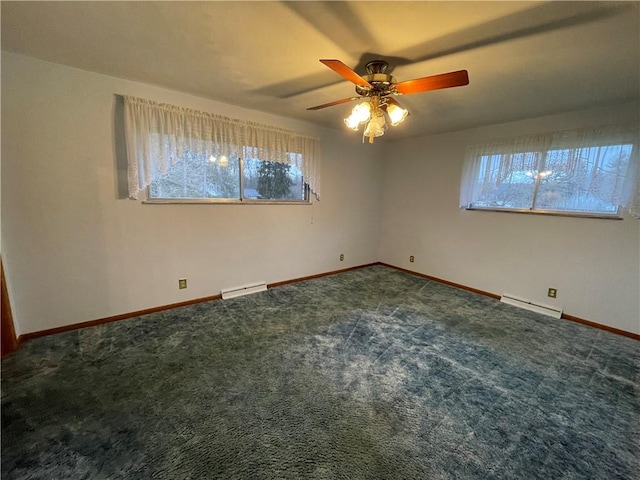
x=377 y=87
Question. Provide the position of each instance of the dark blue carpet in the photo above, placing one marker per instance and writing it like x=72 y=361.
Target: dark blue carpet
x=368 y=374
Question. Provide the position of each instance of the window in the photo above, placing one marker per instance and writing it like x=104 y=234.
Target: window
x=207 y=177
x=580 y=172
x=177 y=154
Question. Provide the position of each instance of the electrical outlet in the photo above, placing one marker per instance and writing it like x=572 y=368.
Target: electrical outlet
x=553 y=293
x=342 y=257
x=411 y=259
x=182 y=283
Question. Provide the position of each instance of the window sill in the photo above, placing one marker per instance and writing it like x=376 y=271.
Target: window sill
x=217 y=201
x=602 y=216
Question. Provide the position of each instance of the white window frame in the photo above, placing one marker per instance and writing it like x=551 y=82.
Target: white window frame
x=158 y=135
x=306 y=200
x=535 y=149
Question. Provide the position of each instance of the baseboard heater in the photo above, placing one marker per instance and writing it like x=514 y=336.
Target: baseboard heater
x=528 y=305
x=243 y=290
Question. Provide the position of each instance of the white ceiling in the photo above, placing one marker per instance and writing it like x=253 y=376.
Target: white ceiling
x=524 y=59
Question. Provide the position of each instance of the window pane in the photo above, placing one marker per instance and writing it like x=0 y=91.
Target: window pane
x=506 y=181
x=272 y=181
x=200 y=176
x=583 y=179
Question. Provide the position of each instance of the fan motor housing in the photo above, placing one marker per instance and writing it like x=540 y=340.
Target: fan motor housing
x=381 y=83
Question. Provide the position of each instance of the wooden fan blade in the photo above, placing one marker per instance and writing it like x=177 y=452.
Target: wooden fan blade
x=435 y=82
x=331 y=104
x=341 y=69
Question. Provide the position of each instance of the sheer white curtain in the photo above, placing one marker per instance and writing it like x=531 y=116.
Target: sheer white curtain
x=601 y=162
x=157 y=136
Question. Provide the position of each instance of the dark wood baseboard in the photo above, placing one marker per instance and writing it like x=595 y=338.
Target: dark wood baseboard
x=446 y=282
x=564 y=316
x=115 y=318
x=124 y=316
x=318 y=275
x=589 y=323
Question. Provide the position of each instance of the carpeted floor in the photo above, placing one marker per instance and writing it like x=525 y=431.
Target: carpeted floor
x=368 y=374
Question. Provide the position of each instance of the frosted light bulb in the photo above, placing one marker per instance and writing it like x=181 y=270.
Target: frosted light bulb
x=396 y=114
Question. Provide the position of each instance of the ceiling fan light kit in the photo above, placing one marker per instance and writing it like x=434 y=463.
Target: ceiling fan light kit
x=376 y=87
x=359 y=115
x=375 y=128
x=396 y=113
x=372 y=113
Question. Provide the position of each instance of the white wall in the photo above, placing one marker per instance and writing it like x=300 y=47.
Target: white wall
x=594 y=263
x=74 y=252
